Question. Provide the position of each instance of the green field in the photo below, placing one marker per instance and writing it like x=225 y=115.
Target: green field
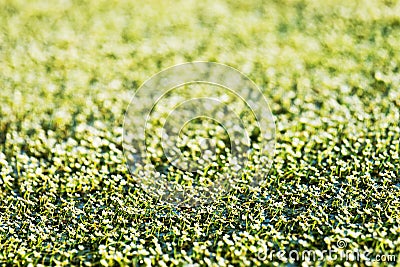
x=330 y=71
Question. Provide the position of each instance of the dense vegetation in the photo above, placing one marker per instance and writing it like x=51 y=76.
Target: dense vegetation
x=330 y=72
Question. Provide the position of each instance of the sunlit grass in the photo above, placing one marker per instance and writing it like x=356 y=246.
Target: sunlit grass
x=68 y=69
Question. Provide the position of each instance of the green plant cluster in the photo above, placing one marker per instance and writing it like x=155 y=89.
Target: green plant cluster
x=330 y=72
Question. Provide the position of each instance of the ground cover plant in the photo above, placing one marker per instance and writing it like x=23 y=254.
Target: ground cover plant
x=330 y=72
